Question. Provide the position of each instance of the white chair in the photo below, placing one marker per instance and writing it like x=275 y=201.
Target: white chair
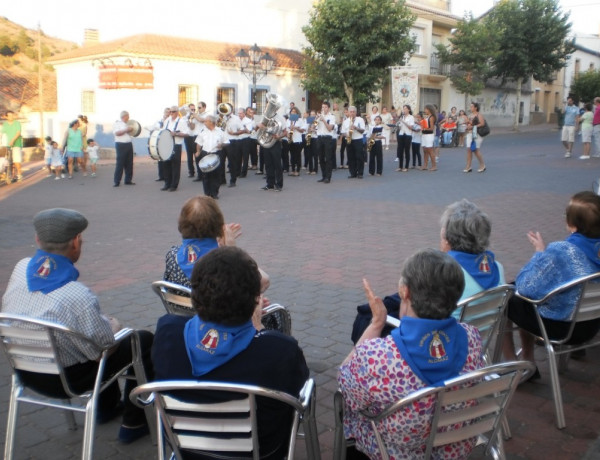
x=177 y=301
x=224 y=427
x=586 y=309
x=468 y=406
x=31 y=345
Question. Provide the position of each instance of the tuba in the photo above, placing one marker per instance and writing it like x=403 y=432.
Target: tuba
x=224 y=109
x=274 y=124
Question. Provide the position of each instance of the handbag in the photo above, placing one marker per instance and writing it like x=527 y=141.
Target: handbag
x=473 y=145
x=484 y=130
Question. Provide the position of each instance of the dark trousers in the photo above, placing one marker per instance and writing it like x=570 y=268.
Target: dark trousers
x=313 y=156
x=190 y=150
x=403 y=150
x=285 y=156
x=333 y=149
x=172 y=168
x=325 y=157
x=343 y=146
x=376 y=159
x=296 y=153
x=233 y=158
x=252 y=143
x=243 y=148
x=356 y=162
x=161 y=170
x=81 y=378
x=273 y=165
x=211 y=181
x=124 y=162
x=261 y=158
x=416 y=153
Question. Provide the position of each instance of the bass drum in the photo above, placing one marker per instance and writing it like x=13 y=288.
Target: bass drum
x=209 y=163
x=160 y=145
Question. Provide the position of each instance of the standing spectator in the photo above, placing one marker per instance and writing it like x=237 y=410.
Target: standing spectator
x=374 y=113
x=12 y=129
x=57 y=161
x=438 y=133
x=124 y=148
x=93 y=155
x=428 y=135
x=596 y=126
x=387 y=120
x=416 y=140
x=73 y=146
x=48 y=155
x=462 y=127
x=570 y=126
x=586 y=121
x=404 y=137
x=83 y=127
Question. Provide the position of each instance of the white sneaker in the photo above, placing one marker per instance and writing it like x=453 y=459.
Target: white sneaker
x=396 y=160
x=57 y=178
x=567 y=154
x=93 y=174
x=584 y=157
x=62 y=176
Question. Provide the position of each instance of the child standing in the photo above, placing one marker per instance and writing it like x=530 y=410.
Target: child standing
x=92 y=152
x=57 y=161
x=416 y=140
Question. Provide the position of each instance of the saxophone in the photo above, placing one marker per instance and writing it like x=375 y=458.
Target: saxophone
x=371 y=142
x=350 y=131
x=291 y=133
x=311 y=128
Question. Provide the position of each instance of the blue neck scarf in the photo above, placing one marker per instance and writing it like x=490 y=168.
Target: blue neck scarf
x=191 y=250
x=210 y=345
x=47 y=272
x=435 y=349
x=482 y=267
x=589 y=246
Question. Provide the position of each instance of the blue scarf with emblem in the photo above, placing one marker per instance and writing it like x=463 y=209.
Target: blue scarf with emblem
x=210 y=345
x=47 y=272
x=435 y=349
x=191 y=250
x=482 y=267
x=589 y=246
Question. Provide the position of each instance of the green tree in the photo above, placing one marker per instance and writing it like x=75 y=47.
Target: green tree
x=586 y=86
x=532 y=38
x=471 y=47
x=351 y=45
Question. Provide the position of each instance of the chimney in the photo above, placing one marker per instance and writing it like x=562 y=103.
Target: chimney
x=91 y=37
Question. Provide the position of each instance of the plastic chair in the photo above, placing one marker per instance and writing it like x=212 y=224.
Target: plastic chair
x=468 y=406
x=177 y=301
x=224 y=427
x=31 y=345
x=586 y=309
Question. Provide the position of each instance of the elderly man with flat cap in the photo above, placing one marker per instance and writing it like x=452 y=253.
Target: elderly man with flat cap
x=45 y=287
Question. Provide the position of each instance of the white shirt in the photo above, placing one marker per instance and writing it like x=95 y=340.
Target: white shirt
x=402 y=128
x=386 y=118
x=197 y=127
x=300 y=124
x=177 y=125
x=234 y=124
x=322 y=129
x=248 y=124
x=120 y=125
x=209 y=140
x=358 y=123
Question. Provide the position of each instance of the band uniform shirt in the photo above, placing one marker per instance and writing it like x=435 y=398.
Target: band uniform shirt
x=248 y=125
x=192 y=132
x=73 y=305
x=234 y=124
x=210 y=139
x=120 y=125
x=358 y=123
x=174 y=126
x=322 y=129
x=300 y=123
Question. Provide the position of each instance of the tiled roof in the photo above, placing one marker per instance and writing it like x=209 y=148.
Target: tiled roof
x=160 y=46
x=17 y=90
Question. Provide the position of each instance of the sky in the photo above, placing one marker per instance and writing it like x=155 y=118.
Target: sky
x=241 y=22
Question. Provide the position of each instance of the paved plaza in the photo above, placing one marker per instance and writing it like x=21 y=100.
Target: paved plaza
x=316 y=241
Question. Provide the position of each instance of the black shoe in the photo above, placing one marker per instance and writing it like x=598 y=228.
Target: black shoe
x=197 y=179
x=326 y=181
x=321 y=180
x=351 y=177
x=165 y=188
x=277 y=189
x=190 y=174
x=231 y=185
x=115 y=185
x=258 y=173
x=359 y=176
x=158 y=180
x=242 y=175
x=129 y=183
x=172 y=189
x=266 y=187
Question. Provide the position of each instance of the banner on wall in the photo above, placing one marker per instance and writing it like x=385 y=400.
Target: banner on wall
x=405 y=87
x=126 y=77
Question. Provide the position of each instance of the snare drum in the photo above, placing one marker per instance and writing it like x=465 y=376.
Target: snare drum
x=209 y=163
x=160 y=145
x=137 y=128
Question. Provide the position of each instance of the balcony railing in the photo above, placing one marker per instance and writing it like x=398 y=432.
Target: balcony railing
x=437 y=68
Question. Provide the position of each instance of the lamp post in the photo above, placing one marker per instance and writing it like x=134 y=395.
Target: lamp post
x=254 y=66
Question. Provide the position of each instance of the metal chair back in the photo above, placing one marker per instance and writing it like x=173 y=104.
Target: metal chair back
x=225 y=426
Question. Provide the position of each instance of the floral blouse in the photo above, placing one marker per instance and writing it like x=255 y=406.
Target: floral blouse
x=376 y=377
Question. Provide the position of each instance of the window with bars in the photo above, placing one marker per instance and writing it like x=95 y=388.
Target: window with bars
x=88 y=101
x=187 y=94
x=261 y=100
x=226 y=94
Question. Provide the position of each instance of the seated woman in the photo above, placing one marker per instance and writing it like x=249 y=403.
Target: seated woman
x=464 y=235
x=429 y=347
x=549 y=268
x=226 y=296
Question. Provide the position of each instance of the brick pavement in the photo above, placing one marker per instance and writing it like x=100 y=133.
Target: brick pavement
x=316 y=241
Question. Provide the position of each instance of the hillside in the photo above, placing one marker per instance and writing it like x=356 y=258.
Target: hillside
x=19 y=71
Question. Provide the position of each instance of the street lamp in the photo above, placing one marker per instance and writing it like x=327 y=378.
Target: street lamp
x=254 y=66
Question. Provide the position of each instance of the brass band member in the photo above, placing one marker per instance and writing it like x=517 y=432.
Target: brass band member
x=297 y=128
x=326 y=142
x=211 y=140
x=198 y=118
x=192 y=128
x=172 y=167
x=353 y=128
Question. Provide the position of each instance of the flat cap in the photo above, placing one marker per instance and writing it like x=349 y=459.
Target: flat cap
x=59 y=225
